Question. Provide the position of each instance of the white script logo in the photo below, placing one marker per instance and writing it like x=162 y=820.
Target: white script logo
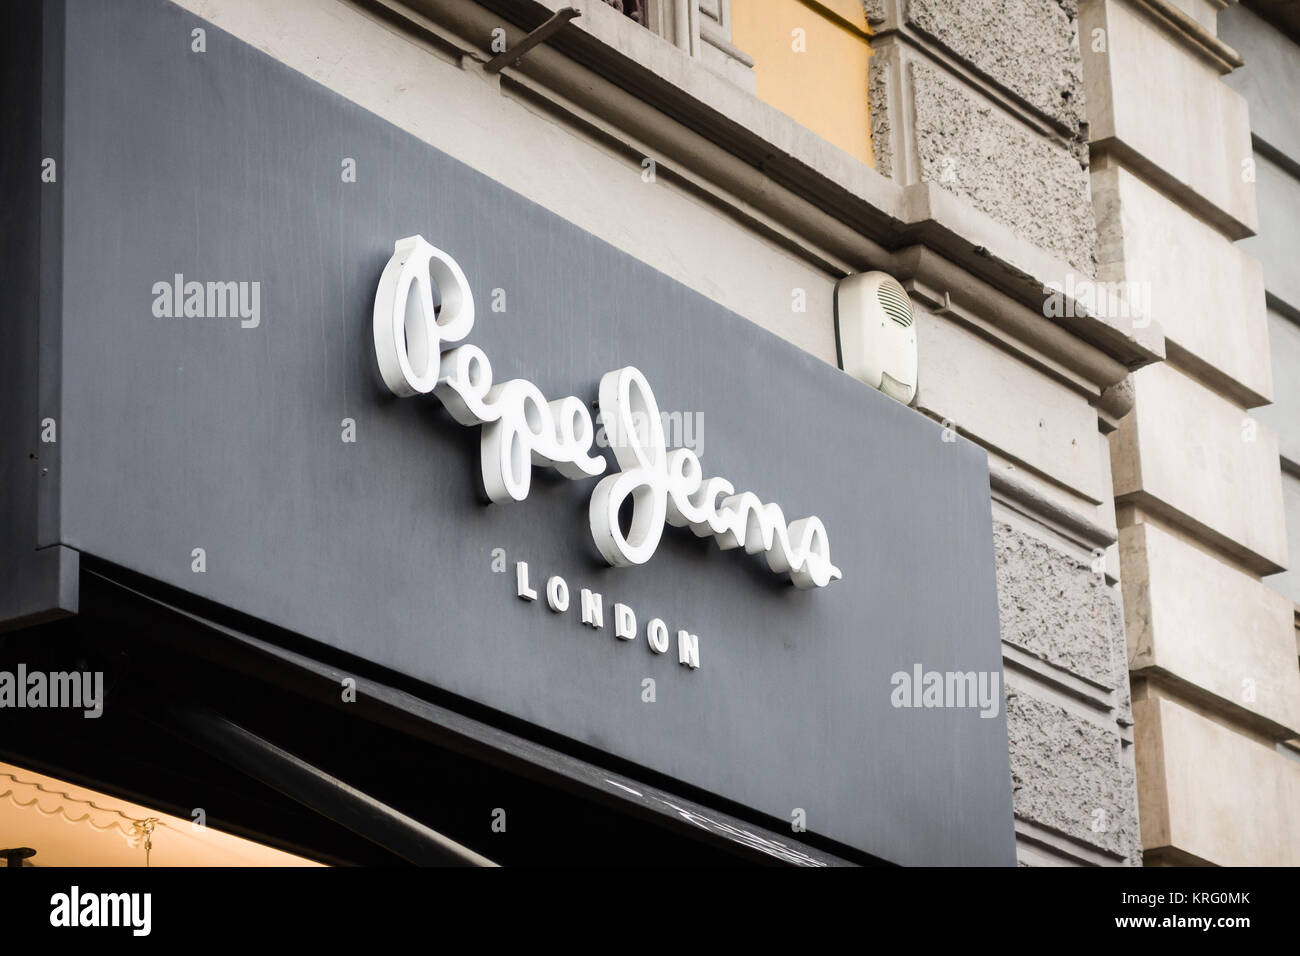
x=522 y=428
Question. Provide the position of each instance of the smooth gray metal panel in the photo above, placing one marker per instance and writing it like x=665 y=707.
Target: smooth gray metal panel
x=37 y=581
x=188 y=433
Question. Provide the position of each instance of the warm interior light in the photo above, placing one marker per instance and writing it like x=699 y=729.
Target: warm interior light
x=69 y=825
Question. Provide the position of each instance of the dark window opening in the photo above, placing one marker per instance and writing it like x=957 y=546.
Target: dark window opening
x=632 y=9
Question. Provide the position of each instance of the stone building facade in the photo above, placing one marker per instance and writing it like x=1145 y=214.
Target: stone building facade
x=660 y=139
x=1067 y=189
x=1198 y=490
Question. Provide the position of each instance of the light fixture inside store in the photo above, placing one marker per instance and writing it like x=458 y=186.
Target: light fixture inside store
x=73 y=825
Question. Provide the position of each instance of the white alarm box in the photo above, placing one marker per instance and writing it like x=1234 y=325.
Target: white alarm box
x=875 y=331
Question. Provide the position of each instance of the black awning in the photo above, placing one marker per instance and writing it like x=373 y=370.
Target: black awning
x=400 y=765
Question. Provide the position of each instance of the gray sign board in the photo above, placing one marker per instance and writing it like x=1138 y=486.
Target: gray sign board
x=179 y=434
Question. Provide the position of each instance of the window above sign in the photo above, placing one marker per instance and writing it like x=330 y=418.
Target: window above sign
x=811 y=62
x=808 y=59
x=632 y=9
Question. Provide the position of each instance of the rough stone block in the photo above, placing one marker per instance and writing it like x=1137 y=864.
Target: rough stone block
x=1067 y=775
x=1036 y=56
x=1025 y=180
x=1058 y=609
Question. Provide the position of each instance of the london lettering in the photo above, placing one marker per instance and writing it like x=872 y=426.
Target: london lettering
x=591 y=612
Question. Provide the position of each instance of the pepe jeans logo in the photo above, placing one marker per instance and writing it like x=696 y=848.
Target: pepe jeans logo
x=522 y=428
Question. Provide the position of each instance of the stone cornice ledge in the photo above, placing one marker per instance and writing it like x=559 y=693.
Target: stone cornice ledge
x=1006 y=484
x=947 y=224
x=1190 y=33
x=643 y=85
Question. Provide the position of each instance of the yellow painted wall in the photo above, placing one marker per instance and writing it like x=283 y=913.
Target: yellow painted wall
x=824 y=87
